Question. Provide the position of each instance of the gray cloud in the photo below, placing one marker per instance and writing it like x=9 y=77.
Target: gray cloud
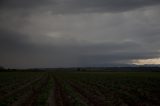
x=107 y=5
x=23 y=4
x=18 y=51
x=11 y=40
x=116 y=53
x=47 y=34
x=78 y=6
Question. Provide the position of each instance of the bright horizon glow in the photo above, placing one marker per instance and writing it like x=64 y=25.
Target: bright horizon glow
x=147 y=61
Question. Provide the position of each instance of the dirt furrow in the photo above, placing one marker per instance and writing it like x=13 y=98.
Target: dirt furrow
x=51 y=98
x=61 y=97
x=30 y=98
x=36 y=91
x=20 y=89
x=93 y=100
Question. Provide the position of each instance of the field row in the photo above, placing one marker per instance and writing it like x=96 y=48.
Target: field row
x=80 y=89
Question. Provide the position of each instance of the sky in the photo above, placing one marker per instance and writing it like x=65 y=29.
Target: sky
x=79 y=33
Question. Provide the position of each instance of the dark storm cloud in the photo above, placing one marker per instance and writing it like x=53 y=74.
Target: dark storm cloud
x=78 y=6
x=116 y=53
x=24 y=4
x=18 y=51
x=118 y=58
x=42 y=38
x=108 y=5
x=12 y=40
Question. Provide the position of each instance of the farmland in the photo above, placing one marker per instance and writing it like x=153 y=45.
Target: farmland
x=79 y=88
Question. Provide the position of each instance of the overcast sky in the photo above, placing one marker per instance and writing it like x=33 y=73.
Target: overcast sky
x=71 y=33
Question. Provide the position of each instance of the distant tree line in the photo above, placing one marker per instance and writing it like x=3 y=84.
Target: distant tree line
x=86 y=69
x=120 y=69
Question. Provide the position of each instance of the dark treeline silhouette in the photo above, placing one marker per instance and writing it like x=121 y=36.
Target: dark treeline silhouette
x=122 y=69
x=87 y=69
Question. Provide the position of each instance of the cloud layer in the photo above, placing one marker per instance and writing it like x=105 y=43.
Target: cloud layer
x=70 y=33
x=79 y=6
